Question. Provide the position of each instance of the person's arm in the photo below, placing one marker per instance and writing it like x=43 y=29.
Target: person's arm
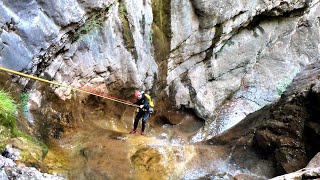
x=146 y=103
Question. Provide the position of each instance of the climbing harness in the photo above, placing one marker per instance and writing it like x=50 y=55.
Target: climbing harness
x=69 y=87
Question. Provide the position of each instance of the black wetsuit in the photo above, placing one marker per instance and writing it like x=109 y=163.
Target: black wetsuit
x=143 y=113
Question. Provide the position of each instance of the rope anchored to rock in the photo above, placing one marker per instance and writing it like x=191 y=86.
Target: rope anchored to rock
x=72 y=88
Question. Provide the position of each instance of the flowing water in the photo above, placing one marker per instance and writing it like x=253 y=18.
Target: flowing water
x=97 y=144
x=104 y=149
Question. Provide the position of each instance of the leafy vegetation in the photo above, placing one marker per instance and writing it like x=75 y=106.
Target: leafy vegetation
x=8 y=110
x=24 y=102
x=151 y=35
x=229 y=42
x=94 y=22
x=226 y=42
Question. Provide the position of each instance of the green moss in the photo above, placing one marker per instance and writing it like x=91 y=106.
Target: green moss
x=126 y=31
x=31 y=140
x=8 y=108
x=122 y=10
x=161 y=33
x=151 y=35
x=160 y=36
x=8 y=129
x=162 y=16
x=5 y=135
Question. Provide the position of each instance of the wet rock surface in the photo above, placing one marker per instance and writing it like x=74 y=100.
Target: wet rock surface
x=311 y=171
x=222 y=60
x=10 y=170
x=281 y=133
x=241 y=62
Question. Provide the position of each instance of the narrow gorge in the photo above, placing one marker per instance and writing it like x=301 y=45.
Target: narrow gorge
x=235 y=84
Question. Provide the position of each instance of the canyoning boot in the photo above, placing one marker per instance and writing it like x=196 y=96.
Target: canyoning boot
x=142 y=133
x=133 y=131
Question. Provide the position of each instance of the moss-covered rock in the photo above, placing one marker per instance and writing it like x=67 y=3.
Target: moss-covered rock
x=31 y=152
x=8 y=109
x=5 y=135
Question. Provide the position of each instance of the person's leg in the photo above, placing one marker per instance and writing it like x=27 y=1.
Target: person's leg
x=136 y=120
x=144 y=121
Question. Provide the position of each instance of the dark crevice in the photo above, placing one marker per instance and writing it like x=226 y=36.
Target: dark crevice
x=127 y=30
x=215 y=40
x=160 y=36
x=181 y=43
x=162 y=120
x=185 y=80
x=312 y=126
x=172 y=93
x=308 y=177
x=10 y=26
x=46 y=58
x=199 y=12
x=238 y=15
x=270 y=16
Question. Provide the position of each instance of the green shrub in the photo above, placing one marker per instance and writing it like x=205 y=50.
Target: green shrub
x=94 y=22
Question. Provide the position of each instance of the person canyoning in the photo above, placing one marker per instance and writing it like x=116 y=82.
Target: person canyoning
x=143 y=111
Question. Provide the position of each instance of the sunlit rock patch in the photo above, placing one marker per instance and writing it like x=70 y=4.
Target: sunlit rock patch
x=152 y=157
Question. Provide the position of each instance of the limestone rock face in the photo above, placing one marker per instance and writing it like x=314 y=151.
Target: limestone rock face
x=220 y=59
x=225 y=59
x=101 y=60
x=315 y=161
x=230 y=58
x=104 y=44
x=285 y=132
x=30 y=27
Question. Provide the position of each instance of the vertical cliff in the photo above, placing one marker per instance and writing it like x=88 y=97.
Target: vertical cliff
x=219 y=59
x=230 y=58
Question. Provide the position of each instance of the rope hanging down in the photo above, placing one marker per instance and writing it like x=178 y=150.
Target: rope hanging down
x=69 y=87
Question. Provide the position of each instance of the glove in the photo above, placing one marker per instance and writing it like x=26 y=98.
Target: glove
x=141 y=106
